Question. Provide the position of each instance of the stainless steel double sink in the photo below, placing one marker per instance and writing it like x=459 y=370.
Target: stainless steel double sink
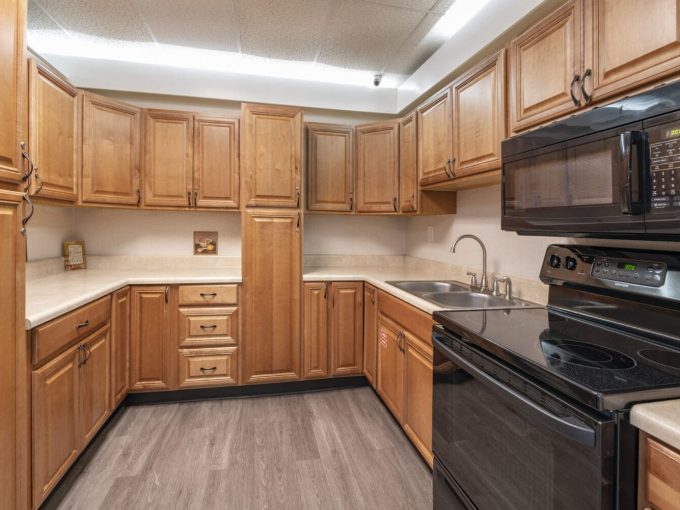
x=455 y=295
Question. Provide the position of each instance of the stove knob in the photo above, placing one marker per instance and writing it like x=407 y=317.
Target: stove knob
x=555 y=261
x=570 y=263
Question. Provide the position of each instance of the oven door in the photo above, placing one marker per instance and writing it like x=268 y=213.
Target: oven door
x=509 y=444
x=590 y=185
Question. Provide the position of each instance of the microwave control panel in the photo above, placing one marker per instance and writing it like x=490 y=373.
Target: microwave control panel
x=665 y=170
x=651 y=274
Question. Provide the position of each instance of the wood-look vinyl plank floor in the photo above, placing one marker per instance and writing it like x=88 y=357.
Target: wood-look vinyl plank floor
x=337 y=449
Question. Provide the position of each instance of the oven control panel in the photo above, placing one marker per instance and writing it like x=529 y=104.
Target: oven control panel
x=665 y=169
x=651 y=274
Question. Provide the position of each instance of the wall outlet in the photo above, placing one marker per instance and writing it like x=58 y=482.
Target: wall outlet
x=430 y=234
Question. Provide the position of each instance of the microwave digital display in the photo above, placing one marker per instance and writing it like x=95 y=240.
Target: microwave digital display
x=673 y=133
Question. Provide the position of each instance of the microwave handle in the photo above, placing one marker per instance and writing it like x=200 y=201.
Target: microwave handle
x=627 y=140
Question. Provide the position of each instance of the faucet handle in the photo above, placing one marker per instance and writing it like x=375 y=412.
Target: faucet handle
x=508 y=286
x=473 y=280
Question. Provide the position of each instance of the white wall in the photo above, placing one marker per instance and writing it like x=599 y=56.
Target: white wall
x=354 y=235
x=48 y=229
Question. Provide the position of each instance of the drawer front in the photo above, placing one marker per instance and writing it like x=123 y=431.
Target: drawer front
x=208 y=294
x=54 y=336
x=208 y=367
x=208 y=326
x=663 y=476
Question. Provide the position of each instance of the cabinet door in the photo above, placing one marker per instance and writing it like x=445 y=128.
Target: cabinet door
x=315 y=330
x=120 y=345
x=111 y=152
x=546 y=61
x=12 y=72
x=418 y=398
x=95 y=384
x=168 y=158
x=391 y=366
x=216 y=163
x=56 y=421
x=479 y=117
x=435 y=136
x=272 y=284
x=54 y=124
x=347 y=328
x=150 y=349
x=408 y=163
x=370 y=333
x=630 y=43
x=271 y=149
x=330 y=168
x=377 y=154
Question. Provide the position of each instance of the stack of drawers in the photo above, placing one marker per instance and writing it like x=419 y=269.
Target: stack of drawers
x=208 y=335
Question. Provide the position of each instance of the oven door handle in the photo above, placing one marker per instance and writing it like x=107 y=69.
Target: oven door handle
x=570 y=427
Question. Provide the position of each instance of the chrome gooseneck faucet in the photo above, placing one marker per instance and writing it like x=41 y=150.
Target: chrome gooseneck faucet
x=484 y=284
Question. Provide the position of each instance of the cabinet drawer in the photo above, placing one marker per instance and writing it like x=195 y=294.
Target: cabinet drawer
x=208 y=326
x=663 y=476
x=208 y=367
x=56 y=335
x=208 y=294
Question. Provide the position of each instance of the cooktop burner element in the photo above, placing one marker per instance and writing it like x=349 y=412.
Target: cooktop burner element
x=662 y=357
x=585 y=355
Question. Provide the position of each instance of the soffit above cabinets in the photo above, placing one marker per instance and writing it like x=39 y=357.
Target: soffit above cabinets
x=254 y=50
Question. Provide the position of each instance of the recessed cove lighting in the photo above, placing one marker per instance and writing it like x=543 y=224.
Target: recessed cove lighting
x=456 y=17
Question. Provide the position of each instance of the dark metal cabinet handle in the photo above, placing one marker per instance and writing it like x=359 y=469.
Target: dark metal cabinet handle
x=165 y=292
x=351 y=202
x=208 y=294
x=585 y=95
x=139 y=196
x=325 y=290
x=297 y=197
x=211 y=369
x=83 y=324
x=195 y=197
x=81 y=348
x=210 y=327
x=297 y=223
x=395 y=204
x=189 y=197
x=28 y=215
x=574 y=99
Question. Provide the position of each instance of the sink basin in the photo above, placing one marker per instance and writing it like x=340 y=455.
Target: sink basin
x=422 y=287
x=468 y=300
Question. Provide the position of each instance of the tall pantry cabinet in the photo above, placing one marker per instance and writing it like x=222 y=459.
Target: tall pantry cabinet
x=271 y=149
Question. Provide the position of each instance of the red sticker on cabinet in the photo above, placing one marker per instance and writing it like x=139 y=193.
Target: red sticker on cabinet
x=383 y=338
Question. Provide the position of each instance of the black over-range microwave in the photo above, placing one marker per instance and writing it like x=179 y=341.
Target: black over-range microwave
x=613 y=171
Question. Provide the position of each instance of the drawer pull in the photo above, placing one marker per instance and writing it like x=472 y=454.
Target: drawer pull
x=83 y=324
x=211 y=327
x=208 y=294
x=211 y=369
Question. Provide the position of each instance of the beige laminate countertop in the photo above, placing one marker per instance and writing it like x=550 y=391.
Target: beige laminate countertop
x=659 y=419
x=51 y=296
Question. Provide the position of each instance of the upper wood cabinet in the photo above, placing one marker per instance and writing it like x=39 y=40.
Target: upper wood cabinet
x=545 y=63
x=330 y=168
x=272 y=288
x=347 y=328
x=479 y=117
x=629 y=43
x=315 y=330
x=435 y=135
x=12 y=81
x=54 y=124
x=216 y=162
x=120 y=345
x=168 y=158
x=271 y=155
x=408 y=163
x=377 y=167
x=370 y=333
x=111 y=152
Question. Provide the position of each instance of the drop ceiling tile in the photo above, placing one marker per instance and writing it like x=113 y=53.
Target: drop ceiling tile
x=209 y=24
x=417 y=48
x=285 y=29
x=422 y=5
x=117 y=19
x=38 y=20
x=364 y=35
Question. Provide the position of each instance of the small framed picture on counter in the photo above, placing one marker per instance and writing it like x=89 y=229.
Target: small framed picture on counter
x=205 y=243
x=74 y=255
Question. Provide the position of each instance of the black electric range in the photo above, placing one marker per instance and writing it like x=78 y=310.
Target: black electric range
x=531 y=405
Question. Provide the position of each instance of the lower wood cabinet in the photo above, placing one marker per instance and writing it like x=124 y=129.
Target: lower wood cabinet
x=417 y=416
x=120 y=345
x=370 y=333
x=315 y=330
x=660 y=474
x=390 y=384
x=214 y=366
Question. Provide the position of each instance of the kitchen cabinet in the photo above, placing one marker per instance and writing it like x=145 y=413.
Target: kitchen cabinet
x=202 y=368
x=272 y=287
x=330 y=168
x=408 y=163
x=417 y=415
x=216 y=163
x=120 y=345
x=168 y=158
x=435 y=135
x=346 y=328
x=660 y=473
x=95 y=382
x=377 y=167
x=390 y=385
x=271 y=155
x=152 y=337
x=54 y=131
x=546 y=67
x=111 y=152
x=12 y=85
x=479 y=118
x=370 y=333
x=315 y=330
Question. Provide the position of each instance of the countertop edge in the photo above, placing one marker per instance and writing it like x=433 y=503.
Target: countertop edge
x=659 y=419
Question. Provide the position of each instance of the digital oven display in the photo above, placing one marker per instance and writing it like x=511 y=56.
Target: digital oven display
x=627 y=266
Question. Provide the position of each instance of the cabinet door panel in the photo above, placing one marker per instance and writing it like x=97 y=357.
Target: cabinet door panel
x=408 y=163
x=330 y=168
x=377 y=155
x=168 y=158
x=55 y=135
x=271 y=148
x=418 y=400
x=390 y=366
x=370 y=333
x=315 y=334
x=435 y=137
x=120 y=345
x=272 y=284
x=216 y=162
x=544 y=61
x=95 y=384
x=347 y=325
x=111 y=152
